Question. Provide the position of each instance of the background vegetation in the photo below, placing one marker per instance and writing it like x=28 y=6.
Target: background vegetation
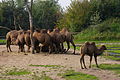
x=95 y=19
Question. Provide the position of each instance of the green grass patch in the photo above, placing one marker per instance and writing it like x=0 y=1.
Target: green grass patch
x=113 y=55
x=114 y=51
x=112 y=58
x=111 y=67
x=53 y=66
x=72 y=75
x=43 y=76
x=2 y=41
x=16 y=71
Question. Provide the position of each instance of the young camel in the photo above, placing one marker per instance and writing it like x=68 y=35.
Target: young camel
x=90 y=49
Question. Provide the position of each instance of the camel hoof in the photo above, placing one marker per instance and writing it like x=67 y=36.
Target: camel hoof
x=97 y=66
x=89 y=66
x=74 y=53
x=82 y=68
x=85 y=68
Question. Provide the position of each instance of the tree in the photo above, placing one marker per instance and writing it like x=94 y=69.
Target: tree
x=46 y=13
x=29 y=9
x=77 y=16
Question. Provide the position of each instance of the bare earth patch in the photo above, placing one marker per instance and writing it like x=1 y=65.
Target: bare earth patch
x=68 y=61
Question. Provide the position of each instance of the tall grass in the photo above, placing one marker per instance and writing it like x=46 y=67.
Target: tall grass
x=107 y=30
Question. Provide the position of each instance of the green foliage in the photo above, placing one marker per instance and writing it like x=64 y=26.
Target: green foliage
x=77 y=16
x=14 y=15
x=80 y=15
x=46 y=13
x=107 y=30
x=72 y=75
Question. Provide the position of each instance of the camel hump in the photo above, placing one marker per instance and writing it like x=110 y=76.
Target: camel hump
x=92 y=43
x=87 y=43
x=49 y=30
x=43 y=31
x=56 y=29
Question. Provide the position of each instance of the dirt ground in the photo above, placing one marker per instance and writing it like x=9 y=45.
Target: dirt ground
x=70 y=61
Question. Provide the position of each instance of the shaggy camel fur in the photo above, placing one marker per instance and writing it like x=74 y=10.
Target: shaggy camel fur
x=90 y=49
x=57 y=39
x=43 y=38
x=11 y=38
x=20 y=41
x=68 y=38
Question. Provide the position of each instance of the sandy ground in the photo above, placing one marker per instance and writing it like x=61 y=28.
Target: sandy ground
x=69 y=61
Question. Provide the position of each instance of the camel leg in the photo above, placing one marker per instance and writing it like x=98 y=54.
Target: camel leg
x=10 y=48
x=68 y=44
x=19 y=49
x=81 y=59
x=73 y=46
x=96 y=61
x=90 y=61
x=7 y=47
x=84 y=63
x=50 y=48
x=28 y=50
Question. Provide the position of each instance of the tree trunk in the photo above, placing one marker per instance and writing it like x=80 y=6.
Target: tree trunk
x=31 y=25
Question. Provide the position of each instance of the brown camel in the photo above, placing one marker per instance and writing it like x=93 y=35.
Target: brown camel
x=90 y=49
x=43 y=38
x=68 y=38
x=57 y=39
x=11 y=39
x=27 y=39
x=20 y=41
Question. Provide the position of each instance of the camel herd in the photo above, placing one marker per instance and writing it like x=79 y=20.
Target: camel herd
x=52 y=41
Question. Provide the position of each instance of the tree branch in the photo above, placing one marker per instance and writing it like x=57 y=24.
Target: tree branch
x=5 y=28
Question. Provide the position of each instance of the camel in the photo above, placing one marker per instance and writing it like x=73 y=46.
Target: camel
x=11 y=39
x=68 y=38
x=20 y=41
x=90 y=49
x=57 y=39
x=43 y=38
x=27 y=39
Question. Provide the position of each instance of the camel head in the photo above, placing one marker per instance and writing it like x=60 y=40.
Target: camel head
x=103 y=47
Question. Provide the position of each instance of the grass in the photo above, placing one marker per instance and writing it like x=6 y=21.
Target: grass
x=43 y=76
x=112 y=67
x=17 y=72
x=2 y=41
x=53 y=66
x=114 y=51
x=72 y=75
x=112 y=58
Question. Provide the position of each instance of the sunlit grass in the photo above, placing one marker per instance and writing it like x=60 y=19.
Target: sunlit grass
x=54 y=66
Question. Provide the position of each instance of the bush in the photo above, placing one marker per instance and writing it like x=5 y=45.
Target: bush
x=107 y=30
